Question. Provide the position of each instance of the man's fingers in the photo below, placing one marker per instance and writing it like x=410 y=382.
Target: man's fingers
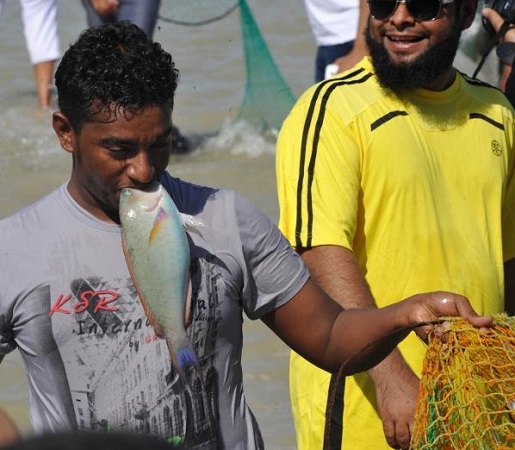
x=397 y=436
x=493 y=17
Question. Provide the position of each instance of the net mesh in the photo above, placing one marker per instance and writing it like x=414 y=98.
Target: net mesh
x=195 y=13
x=267 y=97
x=467 y=389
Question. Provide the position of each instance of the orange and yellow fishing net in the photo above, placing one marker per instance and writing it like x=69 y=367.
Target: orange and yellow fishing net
x=467 y=389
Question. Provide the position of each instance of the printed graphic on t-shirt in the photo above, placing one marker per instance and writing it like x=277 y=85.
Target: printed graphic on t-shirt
x=119 y=371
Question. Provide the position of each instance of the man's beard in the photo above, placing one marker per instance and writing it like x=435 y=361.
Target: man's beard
x=417 y=73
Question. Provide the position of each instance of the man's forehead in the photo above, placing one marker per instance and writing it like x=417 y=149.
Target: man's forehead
x=112 y=112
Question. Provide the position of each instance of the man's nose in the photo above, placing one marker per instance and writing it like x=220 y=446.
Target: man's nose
x=141 y=169
x=402 y=15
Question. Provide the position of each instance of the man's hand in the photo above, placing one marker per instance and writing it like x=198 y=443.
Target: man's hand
x=427 y=309
x=106 y=7
x=397 y=401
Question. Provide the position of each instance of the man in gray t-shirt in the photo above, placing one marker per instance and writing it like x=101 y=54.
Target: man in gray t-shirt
x=89 y=340
x=68 y=303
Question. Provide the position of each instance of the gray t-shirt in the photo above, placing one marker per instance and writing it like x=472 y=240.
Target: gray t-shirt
x=93 y=361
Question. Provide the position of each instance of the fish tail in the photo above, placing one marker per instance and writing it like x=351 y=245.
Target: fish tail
x=186 y=357
x=183 y=356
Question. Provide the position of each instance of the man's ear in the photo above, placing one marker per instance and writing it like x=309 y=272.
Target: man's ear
x=64 y=131
x=466 y=13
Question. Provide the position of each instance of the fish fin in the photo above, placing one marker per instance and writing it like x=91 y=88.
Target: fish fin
x=157 y=226
x=191 y=223
x=148 y=312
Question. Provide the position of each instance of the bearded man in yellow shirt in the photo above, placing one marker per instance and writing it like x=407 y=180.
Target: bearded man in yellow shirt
x=397 y=177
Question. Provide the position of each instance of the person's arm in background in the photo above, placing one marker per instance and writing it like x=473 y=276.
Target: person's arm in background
x=505 y=51
x=106 y=7
x=359 y=48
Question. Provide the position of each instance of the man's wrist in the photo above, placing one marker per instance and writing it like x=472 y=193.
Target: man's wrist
x=506 y=52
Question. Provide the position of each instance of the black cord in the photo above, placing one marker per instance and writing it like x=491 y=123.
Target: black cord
x=493 y=42
x=200 y=22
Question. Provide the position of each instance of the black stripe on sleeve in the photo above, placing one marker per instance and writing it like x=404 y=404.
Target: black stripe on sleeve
x=317 y=119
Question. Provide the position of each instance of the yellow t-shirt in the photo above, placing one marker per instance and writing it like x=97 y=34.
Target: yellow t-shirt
x=422 y=190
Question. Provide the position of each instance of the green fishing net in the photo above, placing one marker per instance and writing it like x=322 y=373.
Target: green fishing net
x=267 y=97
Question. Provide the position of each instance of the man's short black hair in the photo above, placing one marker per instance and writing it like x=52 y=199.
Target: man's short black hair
x=114 y=67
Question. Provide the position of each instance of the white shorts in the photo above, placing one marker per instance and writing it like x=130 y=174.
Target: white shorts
x=40 y=28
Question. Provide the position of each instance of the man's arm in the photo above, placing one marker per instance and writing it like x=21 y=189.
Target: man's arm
x=319 y=329
x=507 y=57
x=359 y=48
x=337 y=272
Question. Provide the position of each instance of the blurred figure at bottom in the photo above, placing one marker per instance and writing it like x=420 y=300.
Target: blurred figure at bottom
x=8 y=431
x=90 y=441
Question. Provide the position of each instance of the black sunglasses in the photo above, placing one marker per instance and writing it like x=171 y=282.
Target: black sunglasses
x=420 y=10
